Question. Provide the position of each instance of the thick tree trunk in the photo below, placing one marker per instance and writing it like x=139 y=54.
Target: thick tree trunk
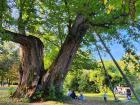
x=59 y=69
x=31 y=67
x=2 y=81
x=8 y=82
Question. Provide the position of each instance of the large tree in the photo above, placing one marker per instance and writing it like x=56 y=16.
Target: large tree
x=69 y=21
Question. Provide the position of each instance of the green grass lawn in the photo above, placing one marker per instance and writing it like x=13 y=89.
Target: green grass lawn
x=91 y=99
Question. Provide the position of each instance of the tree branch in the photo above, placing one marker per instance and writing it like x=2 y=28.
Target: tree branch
x=69 y=19
x=19 y=38
x=110 y=22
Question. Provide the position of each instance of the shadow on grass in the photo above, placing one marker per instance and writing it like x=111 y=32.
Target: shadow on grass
x=91 y=99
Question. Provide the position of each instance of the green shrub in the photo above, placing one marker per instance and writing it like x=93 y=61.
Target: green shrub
x=25 y=100
x=38 y=95
x=52 y=92
x=11 y=91
x=55 y=93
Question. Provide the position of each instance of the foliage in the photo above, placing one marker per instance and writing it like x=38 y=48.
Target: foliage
x=132 y=65
x=84 y=60
x=38 y=95
x=11 y=91
x=88 y=85
x=51 y=49
x=25 y=100
x=52 y=95
x=95 y=80
x=8 y=63
x=80 y=82
x=55 y=18
x=132 y=60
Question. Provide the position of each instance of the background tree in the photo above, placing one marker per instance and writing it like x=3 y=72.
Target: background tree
x=8 y=63
x=81 y=66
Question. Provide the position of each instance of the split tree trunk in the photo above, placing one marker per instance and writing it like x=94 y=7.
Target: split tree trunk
x=32 y=66
x=59 y=69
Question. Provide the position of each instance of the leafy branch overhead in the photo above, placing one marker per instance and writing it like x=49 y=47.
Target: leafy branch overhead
x=58 y=16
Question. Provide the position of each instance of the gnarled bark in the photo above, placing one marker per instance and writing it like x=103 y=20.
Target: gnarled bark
x=32 y=66
x=58 y=70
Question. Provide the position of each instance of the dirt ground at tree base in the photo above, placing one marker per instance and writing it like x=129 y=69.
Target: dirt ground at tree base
x=72 y=102
x=76 y=102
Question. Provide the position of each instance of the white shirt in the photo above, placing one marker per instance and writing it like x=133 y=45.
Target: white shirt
x=69 y=93
x=105 y=95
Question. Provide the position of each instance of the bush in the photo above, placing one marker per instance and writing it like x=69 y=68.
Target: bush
x=25 y=100
x=38 y=95
x=52 y=95
x=11 y=91
x=82 y=82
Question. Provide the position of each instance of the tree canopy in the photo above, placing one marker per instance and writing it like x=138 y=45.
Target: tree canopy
x=55 y=18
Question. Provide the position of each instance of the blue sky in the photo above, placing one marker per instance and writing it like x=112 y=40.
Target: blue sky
x=117 y=51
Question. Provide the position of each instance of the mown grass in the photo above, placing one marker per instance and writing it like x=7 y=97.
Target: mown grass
x=3 y=91
x=91 y=99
